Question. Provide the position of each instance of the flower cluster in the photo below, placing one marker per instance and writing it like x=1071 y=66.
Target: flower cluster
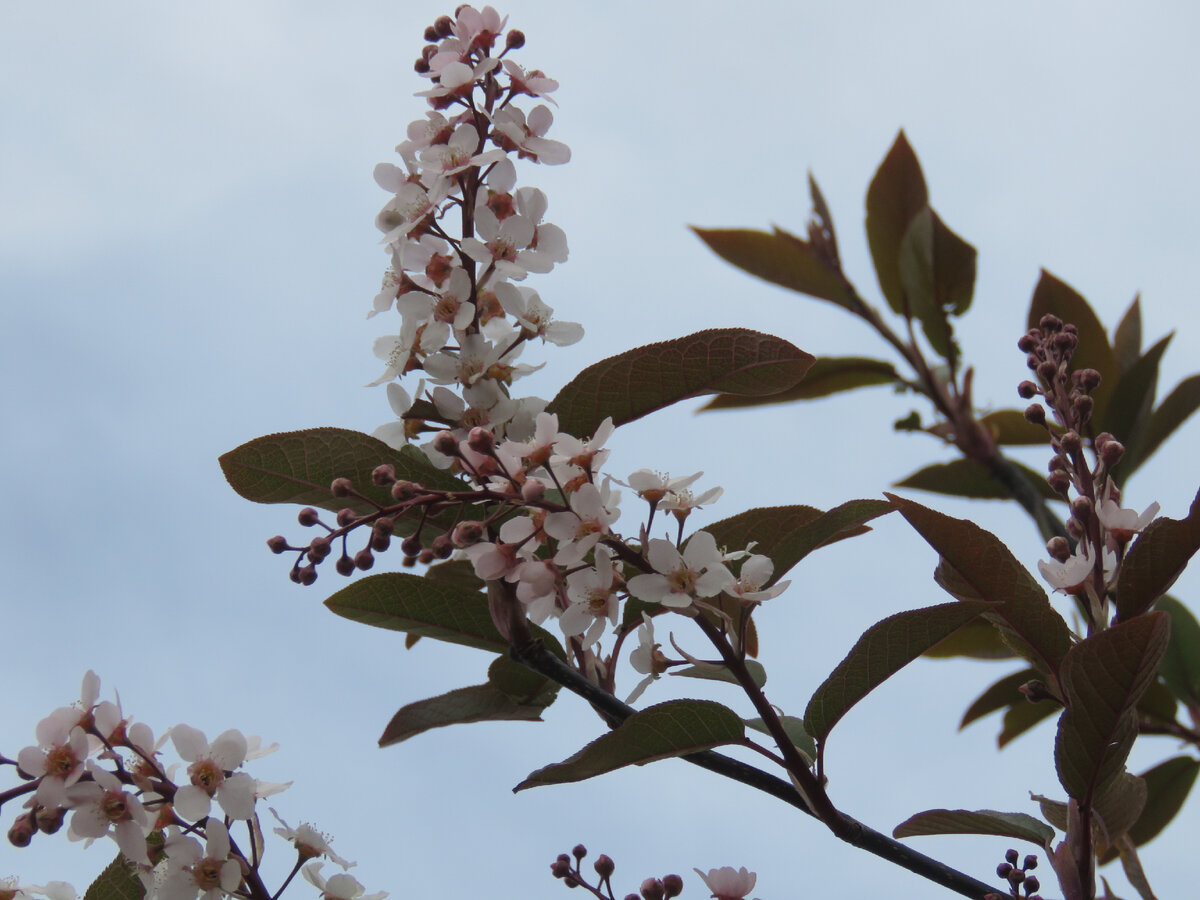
x=95 y=764
x=460 y=234
x=1098 y=524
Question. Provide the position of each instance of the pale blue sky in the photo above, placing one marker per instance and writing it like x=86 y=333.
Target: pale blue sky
x=187 y=255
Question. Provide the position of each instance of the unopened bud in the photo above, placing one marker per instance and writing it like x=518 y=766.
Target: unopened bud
x=1034 y=691
x=22 y=831
x=346 y=516
x=421 y=66
x=1011 y=855
x=515 y=39
x=652 y=889
x=1004 y=870
x=532 y=491
x=344 y=565
x=444 y=26
x=1050 y=323
x=1081 y=508
x=308 y=574
x=1036 y=414
x=431 y=34
x=579 y=852
x=277 y=544
x=1071 y=442
x=49 y=821
x=672 y=885
x=1027 y=390
x=403 y=490
x=341 y=487
x=1074 y=529
x=1028 y=342
x=384 y=474
x=1083 y=406
x=1059 y=481
x=481 y=440
x=442 y=546
x=561 y=867
x=1087 y=380
x=363 y=559
x=1111 y=453
x=1046 y=370
x=411 y=545
x=308 y=517
x=1030 y=864
x=1032 y=884
x=1066 y=342
x=467 y=533
x=445 y=443
x=380 y=540
x=318 y=549
x=1059 y=548
x=425 y=557
x=604 y=866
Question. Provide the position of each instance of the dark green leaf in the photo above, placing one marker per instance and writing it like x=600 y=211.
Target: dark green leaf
x=1118 y=805
x=981 y=821
x=978 y=639
x=884 y=649
x=118 y=881
x=1060 y=299
x=1021 y=717
x=828 y=375
x=645 y=379
x=787 y=534
x=937 y=274
x=674 y=728
x=410 y=603
x=795 y=732
x=781 y=259
x=520 y=684
x=979 y=559
x=1132 y=399
x=1156 y=559
x=721 y=673
x=897 y=193
x=1180 y=666
x=298 y=467
x=1167 y=787
x=1009 y=427
x=1178 y=406
x=1158 y=703
x=968 y=478
x=1103 y=678
x=479 y=703
x=1003 y=693
x=458 y=572
x=1127 y=339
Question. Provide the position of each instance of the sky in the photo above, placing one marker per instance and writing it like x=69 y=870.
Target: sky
x=187 y=255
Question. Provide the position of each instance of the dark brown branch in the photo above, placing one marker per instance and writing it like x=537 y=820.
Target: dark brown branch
x=536 y=657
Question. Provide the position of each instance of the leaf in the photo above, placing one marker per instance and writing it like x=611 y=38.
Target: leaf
x=983 y=563
x=1132 y=399
x=645 y=379
x=479 y=703
x=794 y=728
x=884 y=649
x=1127 y=339
x=721 y=673
x=781 y=259
x=787 y=534
x=937 y=275
x=897 y=193
x=674 y=728
x=978 y=639
x=118 y=881
x=828 y=375
x=1103 y=678
x=1156 y=559
x=1118 y=806
x=1058 y=298
x=1180 y=667
x=458 y=572
x=968 y=478
x=1010 y=428
x=410 y=603
x=981 y=821
x=1022 y=717
x=999 y=695
x=1167 y=787
x=1178 y=406
x=298 y=467
x=521 y=684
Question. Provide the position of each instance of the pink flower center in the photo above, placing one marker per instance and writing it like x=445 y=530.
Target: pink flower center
x=61 y=761
x=206 y=775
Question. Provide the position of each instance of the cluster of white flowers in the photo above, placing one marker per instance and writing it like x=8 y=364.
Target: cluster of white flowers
x=460 y=233
x=105 y=771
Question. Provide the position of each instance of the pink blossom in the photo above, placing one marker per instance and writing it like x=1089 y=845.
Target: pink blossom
x=728 y=883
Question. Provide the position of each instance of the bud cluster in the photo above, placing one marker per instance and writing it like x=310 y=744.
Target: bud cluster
x=105 y=771
x=567 y=869
x=1020 y=883
x=1097 y=525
